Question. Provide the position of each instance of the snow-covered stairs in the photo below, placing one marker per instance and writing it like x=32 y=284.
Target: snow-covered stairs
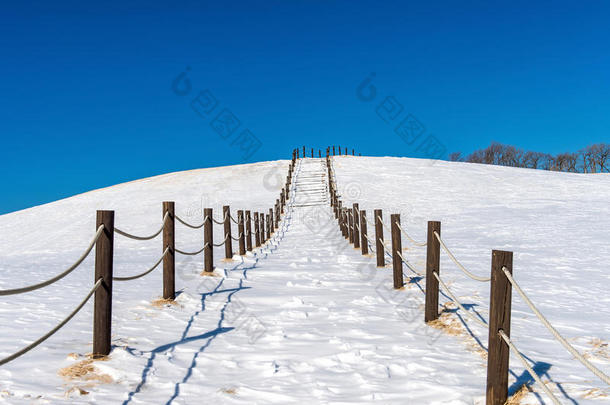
x=311 y=184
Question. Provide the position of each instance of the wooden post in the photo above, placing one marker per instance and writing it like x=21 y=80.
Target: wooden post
x=356 y=214
x=169 y=260
x=102 y=307
x=364 y=233
x=499 y=319
x=379 y=245
x=350 y=227
x=277 y=214
x=248 y=231
x=240 y=231
x=261 y=218
x=396 y=248
x=257 y=232
x=226 y=211
x=333 y=150
x=271 y=222
x=208 y=241
x=319 y=153
x=312 y=153
x=339 y=150
x=304 y=152
x=268 y=226
x=353 y=153
x=433 y=257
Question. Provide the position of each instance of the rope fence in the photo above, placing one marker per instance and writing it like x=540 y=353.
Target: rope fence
x=501 y=281
x=103 y=242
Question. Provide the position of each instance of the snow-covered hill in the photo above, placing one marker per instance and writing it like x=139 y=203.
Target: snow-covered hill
x=308 y=318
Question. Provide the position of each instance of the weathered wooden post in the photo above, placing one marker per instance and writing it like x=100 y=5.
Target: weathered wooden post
x=353 y=153
x=319 y=153
x=261 y=218
x=257 y=231
x=433 y=254
x=350 y=224
x=208 y=241
x=333 y=150
x=312 y=153
x=248 y=231
x=271 y=222
x=304 y=152
x=277 y=214
x=226 y=211
x=379 y=241
x=169 y=259
x=240 y=231
x=339 y=150
x=499 y=319
x=396 y=249
x=268 y=227
x=363 y=232
x=356 y=215
x=102 y=307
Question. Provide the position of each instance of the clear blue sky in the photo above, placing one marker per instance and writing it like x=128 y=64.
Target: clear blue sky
x=87 y=97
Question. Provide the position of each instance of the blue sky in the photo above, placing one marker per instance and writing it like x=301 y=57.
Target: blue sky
x=87 y=97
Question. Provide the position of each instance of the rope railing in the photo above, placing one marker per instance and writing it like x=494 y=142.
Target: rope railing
x=384 y=225
x=238 y=237
x=61 y=275
x=409 y=265
x=234 y=220
x=413 y=241
x=456 y=301
x=221 y=221
x=130 y=236
x=460 y=266
x=554 y=331
x=192 y=253
x=183 y=222
x=144 y=273
x=221 y=243
x=54 y=330
x=529 y=369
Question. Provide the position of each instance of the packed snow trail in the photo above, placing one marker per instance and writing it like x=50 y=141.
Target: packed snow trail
x=312 y=320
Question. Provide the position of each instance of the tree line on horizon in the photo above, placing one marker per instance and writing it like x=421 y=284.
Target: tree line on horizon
x=592 y=159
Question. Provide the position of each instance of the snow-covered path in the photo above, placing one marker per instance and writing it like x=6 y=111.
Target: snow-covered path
x=312 y=320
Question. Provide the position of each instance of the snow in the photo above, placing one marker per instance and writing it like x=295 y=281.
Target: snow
x=308 y=318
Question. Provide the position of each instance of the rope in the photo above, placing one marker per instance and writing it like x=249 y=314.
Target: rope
x=238 y=238
x=130 y=236
x=59 y=276
x=370 y=242
x=192 y=253
x=384 y=225
x=469 y=274
x=405 y=261
x=457 y=302
x=413 y=241
x=554 y=332
x=146 y=272
x=388 y=251
x=221 y=243
x=527 y=366
x=220 y=222
x=183 y=222
x=233 y=219
x=55 y=329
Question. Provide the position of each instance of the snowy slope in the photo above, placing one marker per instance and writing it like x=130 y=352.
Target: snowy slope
x=308 y=318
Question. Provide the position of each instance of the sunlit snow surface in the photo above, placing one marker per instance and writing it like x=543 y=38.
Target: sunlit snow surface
x=308 y=319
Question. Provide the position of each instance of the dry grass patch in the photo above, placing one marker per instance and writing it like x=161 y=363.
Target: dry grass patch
x=518 y=396
x=84 y=373
x=209 y=274
x=163 y=302
x=230 y=391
